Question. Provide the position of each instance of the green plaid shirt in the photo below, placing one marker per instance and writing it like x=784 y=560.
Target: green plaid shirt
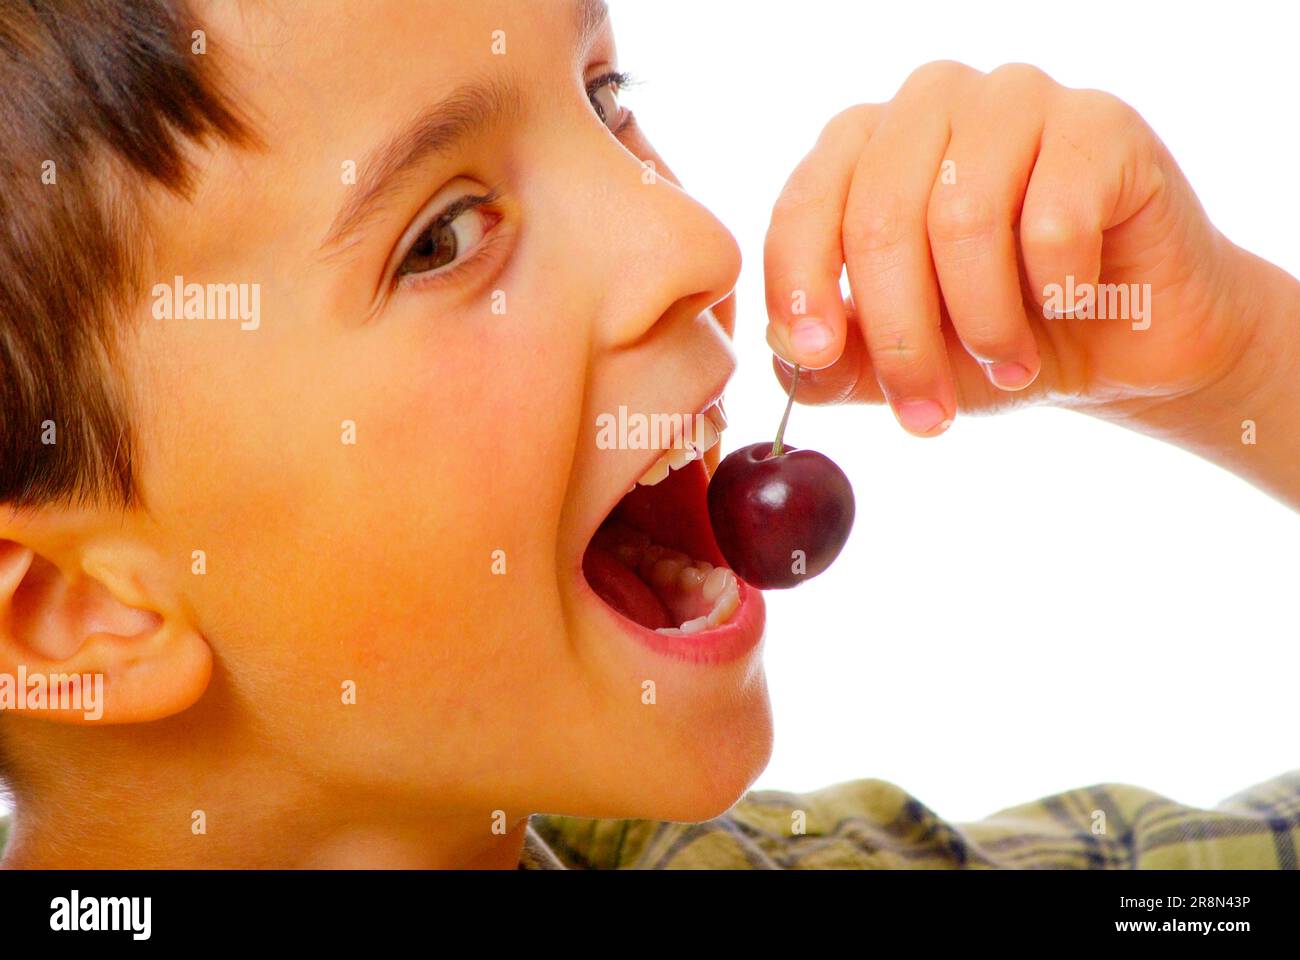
x=869 y=824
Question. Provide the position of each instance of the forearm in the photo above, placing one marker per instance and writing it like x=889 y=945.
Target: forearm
x=1248 y=420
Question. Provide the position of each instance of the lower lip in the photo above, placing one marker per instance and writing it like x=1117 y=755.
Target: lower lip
x=731 y=641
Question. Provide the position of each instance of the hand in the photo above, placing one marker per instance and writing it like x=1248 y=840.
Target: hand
x=964 y=206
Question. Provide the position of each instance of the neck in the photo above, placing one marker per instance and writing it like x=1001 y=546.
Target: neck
x=244 y=815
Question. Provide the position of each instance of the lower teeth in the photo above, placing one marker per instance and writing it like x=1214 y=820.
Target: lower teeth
x=699 y=595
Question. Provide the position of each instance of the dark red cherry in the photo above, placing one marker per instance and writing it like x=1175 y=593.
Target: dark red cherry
x=779 y=520
x=780 y=515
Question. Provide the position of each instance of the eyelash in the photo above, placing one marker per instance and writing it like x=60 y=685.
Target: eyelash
x=618 y=79
x=485 y=202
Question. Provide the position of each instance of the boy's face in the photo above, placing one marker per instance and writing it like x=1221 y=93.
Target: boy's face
x=417 y=397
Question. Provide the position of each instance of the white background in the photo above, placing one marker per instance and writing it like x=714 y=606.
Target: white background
x=1034 y=602
x=1038 y=601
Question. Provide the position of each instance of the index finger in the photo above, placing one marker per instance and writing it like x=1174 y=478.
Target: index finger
x=803 y=255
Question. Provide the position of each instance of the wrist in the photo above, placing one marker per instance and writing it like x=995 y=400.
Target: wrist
x=1246 y=415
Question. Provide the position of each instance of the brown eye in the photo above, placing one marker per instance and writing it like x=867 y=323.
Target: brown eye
x=456 y=231
x=435 y=248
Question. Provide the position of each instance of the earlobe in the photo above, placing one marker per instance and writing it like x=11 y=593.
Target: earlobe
x=79 y=625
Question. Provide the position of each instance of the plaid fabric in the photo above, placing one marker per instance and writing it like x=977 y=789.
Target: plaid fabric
x=869 y=824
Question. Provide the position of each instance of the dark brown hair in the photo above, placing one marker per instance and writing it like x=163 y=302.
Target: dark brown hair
x=100 y=96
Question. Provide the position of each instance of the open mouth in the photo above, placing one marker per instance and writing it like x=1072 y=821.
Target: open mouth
x=654 y=559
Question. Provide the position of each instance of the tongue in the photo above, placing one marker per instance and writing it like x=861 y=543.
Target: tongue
x=622 y=589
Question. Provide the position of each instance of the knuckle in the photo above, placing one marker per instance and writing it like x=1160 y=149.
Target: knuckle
x=1021 y=74
x=875 y=223
x=850 y=119
x=1105 y=110
x=898 y=358
x=937 y=73
x=1049 y=229
x=956 y=216
x=800 y=200
x=897 y=353
x=986 y=338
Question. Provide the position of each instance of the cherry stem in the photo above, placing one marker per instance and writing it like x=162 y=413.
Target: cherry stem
x=778 y=448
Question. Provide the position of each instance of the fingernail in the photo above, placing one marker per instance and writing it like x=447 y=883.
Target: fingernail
x=1009 y=376
x=810 y=336
x=922 y=417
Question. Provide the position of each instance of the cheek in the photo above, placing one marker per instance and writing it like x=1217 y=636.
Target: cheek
x=463 y=452
x=384 y=504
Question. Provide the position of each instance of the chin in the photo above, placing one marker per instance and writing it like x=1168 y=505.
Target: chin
x=690 y=763
x=716 y=767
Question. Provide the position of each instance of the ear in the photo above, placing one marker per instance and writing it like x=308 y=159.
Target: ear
x=88 y=631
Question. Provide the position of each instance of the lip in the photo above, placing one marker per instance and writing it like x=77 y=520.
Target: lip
x=736 y=638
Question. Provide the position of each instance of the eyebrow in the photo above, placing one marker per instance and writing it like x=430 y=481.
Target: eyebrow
x=437 y=130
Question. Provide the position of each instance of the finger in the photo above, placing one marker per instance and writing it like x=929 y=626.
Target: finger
x=849 y=379
x=887 y=251
x=1094 y=171
x=802 y=255
x=973 y=211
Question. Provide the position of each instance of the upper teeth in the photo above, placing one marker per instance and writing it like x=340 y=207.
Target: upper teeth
x=702 y=433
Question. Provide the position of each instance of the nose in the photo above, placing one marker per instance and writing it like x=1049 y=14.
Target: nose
x=661 y=255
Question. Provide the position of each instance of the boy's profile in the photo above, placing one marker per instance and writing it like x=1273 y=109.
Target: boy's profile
x=303 y=334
